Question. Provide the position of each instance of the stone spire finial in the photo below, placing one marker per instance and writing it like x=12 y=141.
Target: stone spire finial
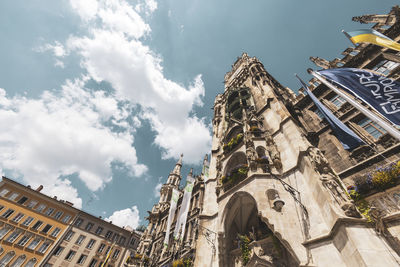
x=191 y=172
x=320 y=62
x=178 y=166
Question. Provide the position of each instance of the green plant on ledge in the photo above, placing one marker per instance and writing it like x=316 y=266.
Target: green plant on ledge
x=362 y=205
x=183 y=262
x=380 y=179
x=233 y=143
x=244 y=248
x=235 y=175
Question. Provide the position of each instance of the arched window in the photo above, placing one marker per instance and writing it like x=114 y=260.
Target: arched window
x=260 y=152
x=31 y=262
x=7 y=258
x=18 y=262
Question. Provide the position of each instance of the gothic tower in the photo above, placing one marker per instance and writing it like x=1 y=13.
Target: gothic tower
x=272 y=199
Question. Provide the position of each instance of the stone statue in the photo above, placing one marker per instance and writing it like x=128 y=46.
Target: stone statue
x=378 y=214
x=251 y=157
x=329 y=182
x=350 y=209
x=273 y=152
x=219 y=167
x=318 y=159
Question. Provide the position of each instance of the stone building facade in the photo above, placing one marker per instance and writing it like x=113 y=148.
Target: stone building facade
x=281 y=190
x=90 y=240
x=38 y=230
x=151 y=251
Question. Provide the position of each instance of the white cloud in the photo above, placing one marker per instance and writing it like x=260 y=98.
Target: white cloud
x=157 y=189
x=61 y=134
x=113 y=51
x=126 y=217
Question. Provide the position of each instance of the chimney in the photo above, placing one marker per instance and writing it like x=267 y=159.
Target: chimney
x=39 y=188
x=69 y=203
x=55 y=197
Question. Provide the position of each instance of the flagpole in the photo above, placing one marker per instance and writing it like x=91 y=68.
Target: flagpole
x=389 y=128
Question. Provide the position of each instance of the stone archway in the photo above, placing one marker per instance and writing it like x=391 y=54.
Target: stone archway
x=242 y=223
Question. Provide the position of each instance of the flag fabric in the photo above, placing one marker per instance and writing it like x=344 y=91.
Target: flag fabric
x=108 y=255
x=172 y=208
x=345 y=135
x=373 y=37
x=379 y=92
x=182 y=217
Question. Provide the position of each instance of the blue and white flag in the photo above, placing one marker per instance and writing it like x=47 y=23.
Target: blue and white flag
x=379 y=92
x=345 y=135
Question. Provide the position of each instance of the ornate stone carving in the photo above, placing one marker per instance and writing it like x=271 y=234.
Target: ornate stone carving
x=273 y=151
x=377 y=215
x=350 y=209
x=318 y=159
x=329 y=182
x=320 y=62
x=251 y=157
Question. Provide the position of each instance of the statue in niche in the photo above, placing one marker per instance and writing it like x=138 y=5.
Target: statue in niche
x=329 y=182
x=318 y=159
x=273 y=151
x=377 y=215
x=251 y=157
x=248 y=139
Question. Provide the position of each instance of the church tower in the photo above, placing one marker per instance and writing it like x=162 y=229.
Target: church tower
x=271 y=198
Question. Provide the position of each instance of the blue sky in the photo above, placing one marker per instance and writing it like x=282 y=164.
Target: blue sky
x=99 y=98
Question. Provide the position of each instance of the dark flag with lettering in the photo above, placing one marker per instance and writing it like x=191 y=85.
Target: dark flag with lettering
x=379 y=92
x=343 y=133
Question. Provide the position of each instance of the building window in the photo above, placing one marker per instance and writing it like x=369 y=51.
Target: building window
x=89 y=226
x=55 y=232
x=41 y=207
x=101 y=248
x=46 y=228
x=372 y=128
x=49 y=211
x=69 y=235
x=108 y=235
x=4 y=192
x=37 y=225
x=7 y=258
x=58 y=251
x=66 y=218
x=80 y=239
x=32 y=204
x=14 y=235
x=58 y=214
x=7 y=213
x=116 y=254
x=13 y=196
x=4 y=231
x=116 y=237
x=31 y=263
x=34 y=243
x=91 y=243
x=108 y=249
x=78 y=222
x=18 y=217
x=385 y=67
x=28 y=221
x=1 y=207
x=122 y=240
x=44 y=247
x=22 y=242
x=70 y=255
x=99 y=230
x=18 y=262
x=22 y=200
x=93 y=263
x=81 y=259
x=338 y=101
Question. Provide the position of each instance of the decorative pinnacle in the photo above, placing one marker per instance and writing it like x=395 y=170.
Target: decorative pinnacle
x=180 y=160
